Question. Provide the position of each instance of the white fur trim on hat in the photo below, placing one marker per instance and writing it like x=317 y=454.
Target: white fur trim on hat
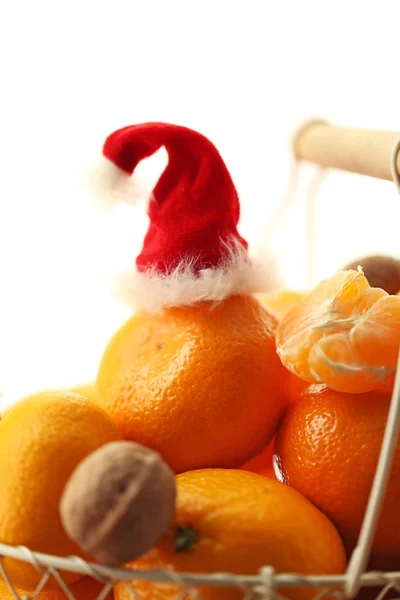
x=153 y=292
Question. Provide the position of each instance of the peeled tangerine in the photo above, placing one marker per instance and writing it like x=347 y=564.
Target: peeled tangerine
x=344 y=334
x=381 y=271
x=118 y=502
x=233 y=521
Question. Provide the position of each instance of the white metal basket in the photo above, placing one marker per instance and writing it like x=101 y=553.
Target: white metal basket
x=266 y=582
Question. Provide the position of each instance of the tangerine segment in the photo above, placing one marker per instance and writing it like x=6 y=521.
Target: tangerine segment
x=344 y=334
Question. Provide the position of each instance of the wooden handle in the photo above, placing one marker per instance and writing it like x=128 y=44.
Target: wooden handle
x=362 y=151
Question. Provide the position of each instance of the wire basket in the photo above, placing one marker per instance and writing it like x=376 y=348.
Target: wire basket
x=266 y=583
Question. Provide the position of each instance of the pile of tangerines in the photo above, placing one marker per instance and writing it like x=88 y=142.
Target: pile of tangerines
x=271 y=412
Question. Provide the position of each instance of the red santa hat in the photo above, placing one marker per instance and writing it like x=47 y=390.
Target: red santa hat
x=192 y=251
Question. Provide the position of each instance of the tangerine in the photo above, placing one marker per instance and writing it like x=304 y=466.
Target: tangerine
x=42 y=439
x=87 y=390
x=279 y=303
x=85 y=588
x=344 y=334
x=295 y=387
x=202 y=385
x=327 y=448
x=262 y=463
x=237 y=522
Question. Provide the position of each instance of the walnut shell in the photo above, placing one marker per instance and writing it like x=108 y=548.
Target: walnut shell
x=381 y=271
x=118 y=502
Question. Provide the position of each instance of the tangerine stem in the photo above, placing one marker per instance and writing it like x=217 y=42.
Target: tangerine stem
x=185 y=539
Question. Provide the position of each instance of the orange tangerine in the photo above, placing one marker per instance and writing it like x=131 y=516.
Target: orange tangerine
x=85 y=588
x=233 y=521
x=262 y=463
x=87 y=390
x=202 y=385
x=42 y=439
x=279 y=303
x=327 y=448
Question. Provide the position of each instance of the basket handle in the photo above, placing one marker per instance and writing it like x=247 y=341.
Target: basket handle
x=363 y=151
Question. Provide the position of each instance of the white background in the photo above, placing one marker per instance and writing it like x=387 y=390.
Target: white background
x=244 y=73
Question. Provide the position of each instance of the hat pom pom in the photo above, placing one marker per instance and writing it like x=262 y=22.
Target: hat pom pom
x=112 y=185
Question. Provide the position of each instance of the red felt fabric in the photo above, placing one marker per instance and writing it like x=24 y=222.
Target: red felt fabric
x=196 y=206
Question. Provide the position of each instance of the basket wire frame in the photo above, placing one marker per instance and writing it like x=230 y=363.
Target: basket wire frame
x=266 y=582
